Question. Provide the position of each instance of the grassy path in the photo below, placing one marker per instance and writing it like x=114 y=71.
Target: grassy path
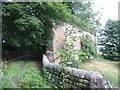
x=20 y=66
x=22 y=74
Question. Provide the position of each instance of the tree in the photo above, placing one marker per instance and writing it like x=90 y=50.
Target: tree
x=110 y=40
x=86 y=19
x=27 y=26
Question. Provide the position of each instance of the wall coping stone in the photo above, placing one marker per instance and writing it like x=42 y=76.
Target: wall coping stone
x=96 y=78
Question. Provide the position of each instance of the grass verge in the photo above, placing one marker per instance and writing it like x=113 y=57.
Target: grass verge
x=108 y=68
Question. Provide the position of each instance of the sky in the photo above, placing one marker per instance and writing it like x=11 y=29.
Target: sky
x=109 y=9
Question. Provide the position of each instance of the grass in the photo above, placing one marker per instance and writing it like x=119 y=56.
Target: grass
x=112 y=77
x=30 y=77
x=30 y=64
x=19 y=74
x=108 y=68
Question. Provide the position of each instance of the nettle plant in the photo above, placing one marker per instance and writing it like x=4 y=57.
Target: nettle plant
x=69 y=56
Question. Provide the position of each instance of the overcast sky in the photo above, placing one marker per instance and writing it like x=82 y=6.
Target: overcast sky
x=109 y=11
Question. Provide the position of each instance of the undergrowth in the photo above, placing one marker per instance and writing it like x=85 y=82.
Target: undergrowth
x=27 y=75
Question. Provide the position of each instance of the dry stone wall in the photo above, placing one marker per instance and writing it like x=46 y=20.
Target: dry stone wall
x=67 y=77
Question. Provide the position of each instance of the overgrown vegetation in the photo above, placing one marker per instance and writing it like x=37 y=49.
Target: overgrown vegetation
x=27 y=27
x=56 y=79
x=70 y=57
x=18 y=75
x=88 y=46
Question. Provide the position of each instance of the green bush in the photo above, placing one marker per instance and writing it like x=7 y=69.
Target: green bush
x=68 y=55
x=31 y=78
x=88 y=46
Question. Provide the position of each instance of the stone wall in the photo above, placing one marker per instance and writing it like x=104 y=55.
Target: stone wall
x=67 y=77
x=64 y=33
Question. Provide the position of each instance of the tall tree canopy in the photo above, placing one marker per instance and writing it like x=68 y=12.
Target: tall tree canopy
x=85 y=19
x=110 y=40
x=27 y=25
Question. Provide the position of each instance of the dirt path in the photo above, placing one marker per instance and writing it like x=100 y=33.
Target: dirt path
x=37 y=61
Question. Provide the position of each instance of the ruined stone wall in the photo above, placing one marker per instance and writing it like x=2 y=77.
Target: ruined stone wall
x=71 y=77
x=63 y=33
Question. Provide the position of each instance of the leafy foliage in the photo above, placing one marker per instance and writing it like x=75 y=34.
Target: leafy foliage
x=110 y=40
x=88 y=46
x=82 y=11
x=86 y=20
x=27 y=26
x=32 y=78
x=34 y=18
x=28 y=78
x=69 y=56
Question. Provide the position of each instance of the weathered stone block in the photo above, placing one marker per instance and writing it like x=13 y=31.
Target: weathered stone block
x=75 y=78
x=87 y=76
x=96 y=81
x=86 y=82
x=82 y=85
